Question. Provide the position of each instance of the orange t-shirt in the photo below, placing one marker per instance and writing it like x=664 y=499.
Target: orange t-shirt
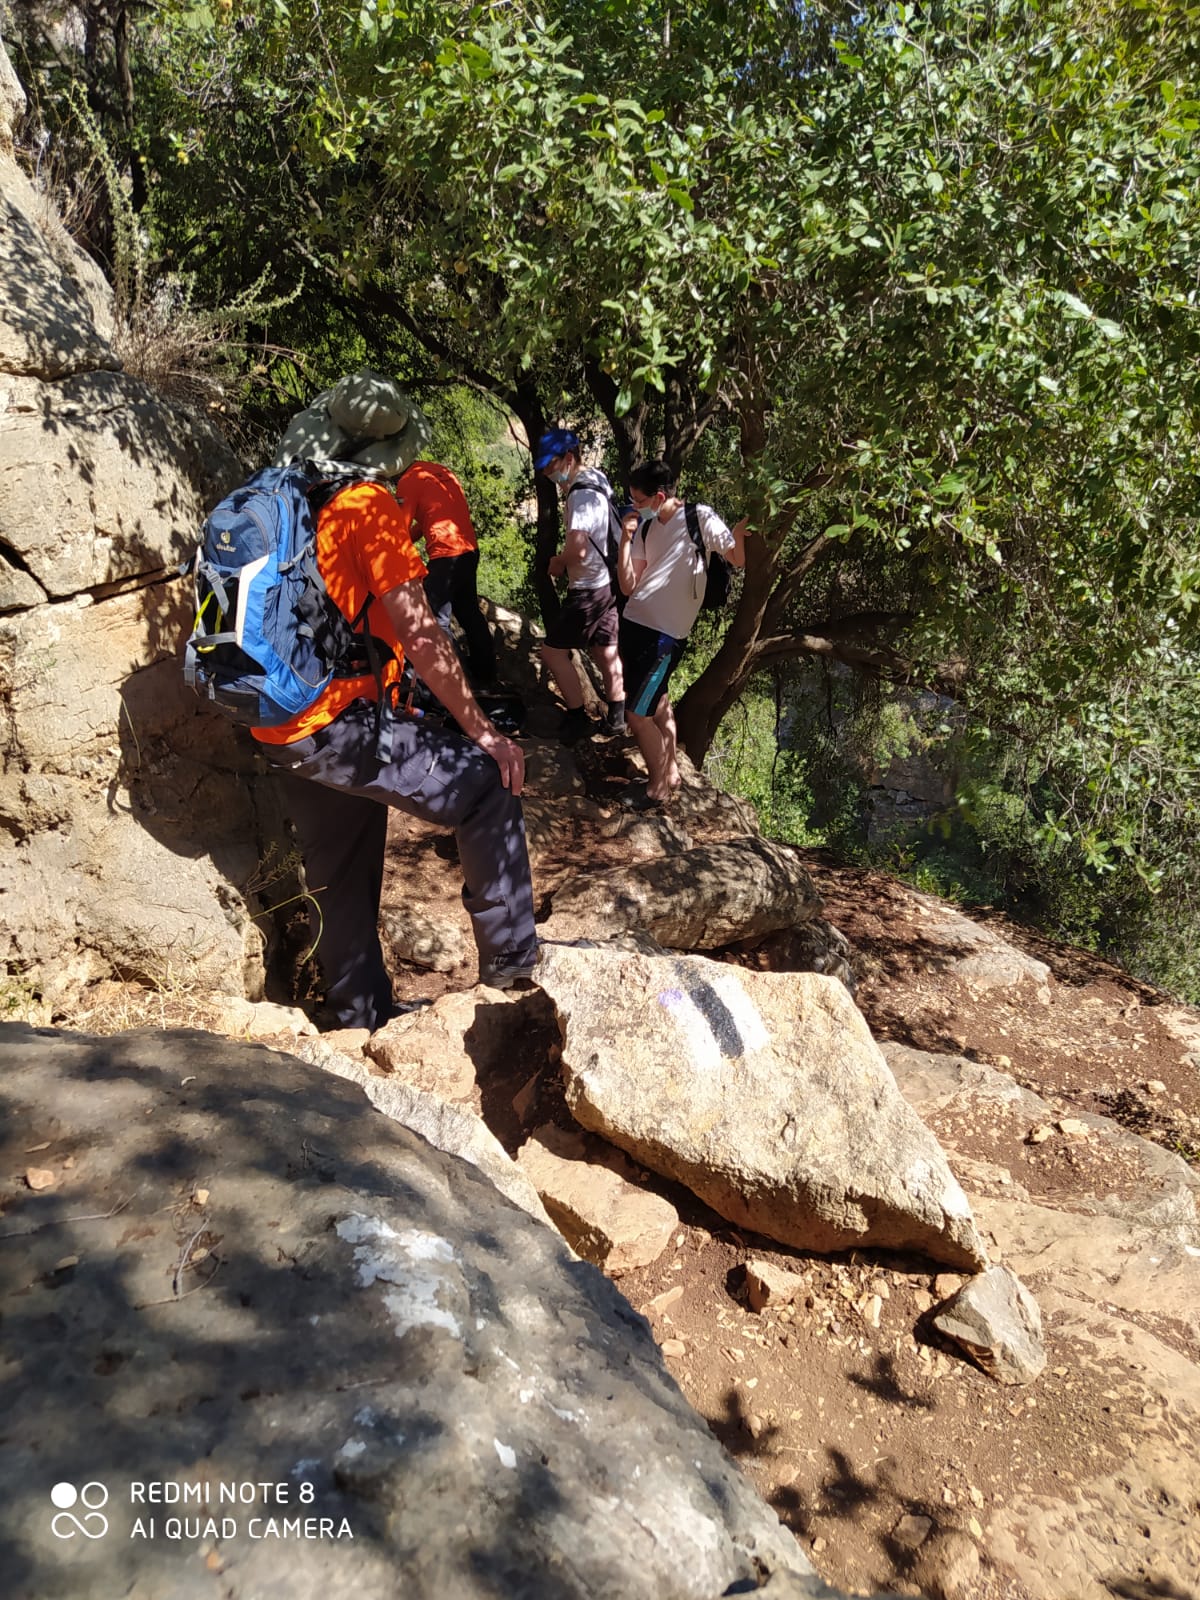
x=363 y=548
x=432 y=500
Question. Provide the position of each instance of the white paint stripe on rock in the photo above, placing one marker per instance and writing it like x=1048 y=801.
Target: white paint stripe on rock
x=401 y=1258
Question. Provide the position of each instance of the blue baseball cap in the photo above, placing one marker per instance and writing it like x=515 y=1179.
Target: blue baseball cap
x=554 y=442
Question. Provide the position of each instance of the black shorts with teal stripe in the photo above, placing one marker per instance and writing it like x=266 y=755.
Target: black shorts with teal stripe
x=648 y=659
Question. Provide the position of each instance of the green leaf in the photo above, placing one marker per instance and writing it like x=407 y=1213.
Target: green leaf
x=1075 y=306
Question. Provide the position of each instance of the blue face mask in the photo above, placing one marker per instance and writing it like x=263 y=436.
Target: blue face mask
x=560 y=477
x=646 y=514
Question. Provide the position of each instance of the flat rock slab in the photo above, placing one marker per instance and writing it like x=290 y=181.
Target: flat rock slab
x=699 y=899
x=974 y=954
x=763 y=1093
x=1117 y=1279
x=240 y=1275
x=604 y=1216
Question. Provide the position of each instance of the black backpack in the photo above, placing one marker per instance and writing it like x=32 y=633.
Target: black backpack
x=612 y=544
x=718 y=572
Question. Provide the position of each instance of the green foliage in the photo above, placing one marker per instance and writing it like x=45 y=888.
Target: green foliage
x=746 y=759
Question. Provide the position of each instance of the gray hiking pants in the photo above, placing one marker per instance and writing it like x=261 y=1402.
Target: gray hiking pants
x=340 y=811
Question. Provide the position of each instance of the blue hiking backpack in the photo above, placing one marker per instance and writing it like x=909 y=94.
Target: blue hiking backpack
x=267 y=639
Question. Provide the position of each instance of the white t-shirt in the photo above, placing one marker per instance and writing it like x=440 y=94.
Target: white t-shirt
x=670 y=590
x=587 y=510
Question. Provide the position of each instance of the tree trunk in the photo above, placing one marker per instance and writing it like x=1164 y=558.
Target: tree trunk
x=527 y=404
x=628 y=430
x=698 y=715
x=121 y=52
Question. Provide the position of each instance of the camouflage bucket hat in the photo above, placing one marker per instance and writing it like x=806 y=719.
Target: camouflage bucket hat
x=365 y=418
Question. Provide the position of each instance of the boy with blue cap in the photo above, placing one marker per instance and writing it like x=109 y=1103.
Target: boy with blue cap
x=588 y=619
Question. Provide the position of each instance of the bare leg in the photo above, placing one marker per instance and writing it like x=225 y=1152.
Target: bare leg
x=562 y=670
x=655 y=754
x=607 y=659
x=664 y=721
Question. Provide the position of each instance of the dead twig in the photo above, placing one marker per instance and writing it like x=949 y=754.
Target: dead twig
x=61 y=1222
x=183 y=1259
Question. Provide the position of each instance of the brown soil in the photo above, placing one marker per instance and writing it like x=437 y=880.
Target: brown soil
x=846 y=1409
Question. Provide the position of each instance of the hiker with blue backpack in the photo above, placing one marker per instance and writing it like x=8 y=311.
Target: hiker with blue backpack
x=309 y=599
x=588 y=617
x=674 y=559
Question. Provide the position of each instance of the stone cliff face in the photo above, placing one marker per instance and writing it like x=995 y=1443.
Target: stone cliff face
x=110 y=771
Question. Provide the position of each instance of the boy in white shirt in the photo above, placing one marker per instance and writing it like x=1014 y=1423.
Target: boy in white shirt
x=663 y=576
x=588 y=619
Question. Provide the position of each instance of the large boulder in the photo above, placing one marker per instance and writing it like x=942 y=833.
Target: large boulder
x=122 y=839
x=129 y=829
x=699 y=899
x=48 y=329
x=226 y=1277
x=102 y=480
x=763 y=1093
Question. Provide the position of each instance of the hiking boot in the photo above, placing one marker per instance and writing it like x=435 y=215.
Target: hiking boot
x=575 y=725
x=614 y=717
x=504 y=974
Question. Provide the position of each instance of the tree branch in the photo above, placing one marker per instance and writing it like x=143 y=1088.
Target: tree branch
x=384 y=302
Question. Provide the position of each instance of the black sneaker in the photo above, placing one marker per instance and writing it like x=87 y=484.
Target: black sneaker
x=575 y=725
x=614 y=718
x=506 y=975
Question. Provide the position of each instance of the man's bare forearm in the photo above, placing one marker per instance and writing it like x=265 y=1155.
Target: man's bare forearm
x=436 y=664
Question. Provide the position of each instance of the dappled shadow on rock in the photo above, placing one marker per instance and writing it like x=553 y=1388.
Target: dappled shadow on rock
x=237 y=1273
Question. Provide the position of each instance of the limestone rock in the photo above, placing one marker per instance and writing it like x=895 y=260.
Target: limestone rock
x=346 y=1308
x=446 y=1048
x=413 y=935
x=912 y=1531
x=107 y=800
x=769 y=1285
x=518 y=662
x=249 y=1019
x=644 y=837
x=698 y=899
x=48 y=330
x=12 y=102
x=551 y=771
x=67 y=674
x=996 y=1320
x=763 y=1093
x=975 y=955
x=104 y=895
x=815 y=946
x=947 y=1565
x=454 y=1129
x=103 y=480
x=604 y=1217
x=1102 y=1261
x=547 y=820
x=1161 y=1193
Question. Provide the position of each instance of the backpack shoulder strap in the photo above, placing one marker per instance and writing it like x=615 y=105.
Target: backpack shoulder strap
x=692 y=516
x=614 y=520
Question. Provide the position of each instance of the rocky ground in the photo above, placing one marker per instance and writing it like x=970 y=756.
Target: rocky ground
x=896 y=1462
